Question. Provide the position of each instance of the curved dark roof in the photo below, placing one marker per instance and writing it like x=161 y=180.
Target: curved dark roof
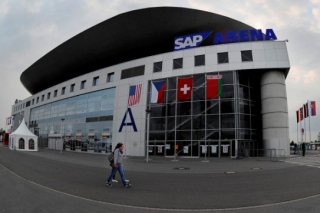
x=125 y=37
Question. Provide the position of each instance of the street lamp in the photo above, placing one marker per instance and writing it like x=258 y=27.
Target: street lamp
x=62 y=128
x=148 y=111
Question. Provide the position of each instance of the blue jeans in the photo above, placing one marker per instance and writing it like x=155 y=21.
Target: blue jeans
x=114 y=171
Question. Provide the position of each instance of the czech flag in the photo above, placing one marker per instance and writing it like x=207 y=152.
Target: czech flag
x=157 y=91
x=313 y=110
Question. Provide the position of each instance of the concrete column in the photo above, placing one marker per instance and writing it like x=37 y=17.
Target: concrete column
x=275 y=123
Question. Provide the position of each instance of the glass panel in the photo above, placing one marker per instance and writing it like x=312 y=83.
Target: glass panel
x=227 y=106
x=212 y=134
x=183 y=123
x=244 y=107
x=212 y=121
x=156 y=135
x=213 y=107
x=223 y=58
x=184 y=108
x=227 y=77
x=171 y=109
x=243 y=133
x=157 y=67
x=199 y=60
x=243 y=79
x=199 y=80
x=246 y=55
x=157 y=124
x=243 y=92
x=158 y=111
x=198 y=122
x=172 y=83
x=227 y=91
x=172 y=96
x=198 y=135
x=228 y=121
x=244 y=121
x=199 y=93
x=177 y=63
x=198 y=107
x=183 y=135
x=227 y=134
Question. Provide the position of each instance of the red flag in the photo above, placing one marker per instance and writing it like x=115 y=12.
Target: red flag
x=298 y=116
x=214 y=86
x=306 y=110
x=301 y=113
x=184 y=89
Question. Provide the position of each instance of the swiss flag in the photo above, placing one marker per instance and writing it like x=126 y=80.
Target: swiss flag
x=184 y=89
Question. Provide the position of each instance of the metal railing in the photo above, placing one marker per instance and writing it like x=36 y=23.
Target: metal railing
x=262 y=154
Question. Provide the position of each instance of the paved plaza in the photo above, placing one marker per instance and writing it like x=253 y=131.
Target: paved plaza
x=47 y=181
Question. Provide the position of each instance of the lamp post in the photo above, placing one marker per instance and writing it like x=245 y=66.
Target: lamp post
x=62 y=129
x=148 y=128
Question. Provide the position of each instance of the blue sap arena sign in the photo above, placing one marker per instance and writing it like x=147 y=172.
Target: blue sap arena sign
x=244 y=35
x=190 y=41
x=194 y=40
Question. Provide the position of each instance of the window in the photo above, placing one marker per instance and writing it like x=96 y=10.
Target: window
x=21 y=143
x=157 y=67
x=110 y=77
x=95 y=81
x=72 y=87
x=37 y=99
x=28 y=104
x=55 y=93
x=48 y=96
x=31 y=144
x=63 y=90
x=223 y=58
x=83 y=84
x=32 y=101
x=199 y=60
x=177 y=63
x=132 y=72
x=246 y=55
x=42 y=98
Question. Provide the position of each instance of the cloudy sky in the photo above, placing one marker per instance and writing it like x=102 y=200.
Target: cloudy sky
x=31 y=28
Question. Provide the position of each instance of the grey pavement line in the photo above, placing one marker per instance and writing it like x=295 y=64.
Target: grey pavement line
x=161 y=209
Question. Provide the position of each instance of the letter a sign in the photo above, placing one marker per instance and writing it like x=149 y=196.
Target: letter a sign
x=132 y=123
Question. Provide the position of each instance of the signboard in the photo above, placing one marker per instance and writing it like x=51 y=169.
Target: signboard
x=159 y=149
x=185 y=149
x=214 y=149
x=194 y=40
x=167 y=146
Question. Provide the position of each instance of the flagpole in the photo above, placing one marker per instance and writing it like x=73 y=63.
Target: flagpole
x=205 y=121
x=175 y=120
x=304 y=121
x=309 y=119
x=125 y=132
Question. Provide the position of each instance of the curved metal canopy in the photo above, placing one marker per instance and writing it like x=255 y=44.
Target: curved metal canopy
x=128 y=36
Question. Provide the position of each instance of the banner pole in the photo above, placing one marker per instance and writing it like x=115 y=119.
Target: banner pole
x=309 y=119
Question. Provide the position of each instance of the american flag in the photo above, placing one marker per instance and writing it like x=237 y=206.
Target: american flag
x=134 y=94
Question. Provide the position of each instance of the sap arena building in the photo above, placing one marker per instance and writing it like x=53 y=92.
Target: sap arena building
x=184 y=82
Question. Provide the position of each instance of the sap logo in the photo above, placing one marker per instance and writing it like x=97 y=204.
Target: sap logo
x=243 y=35
x=190 y=41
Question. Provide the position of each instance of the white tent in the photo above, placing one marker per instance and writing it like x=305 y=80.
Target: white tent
x=22 y=139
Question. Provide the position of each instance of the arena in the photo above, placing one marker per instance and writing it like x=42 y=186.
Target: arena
x=180 y=81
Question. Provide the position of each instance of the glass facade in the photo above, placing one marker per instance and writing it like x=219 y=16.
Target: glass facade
x=87 y=123
x=200 y=125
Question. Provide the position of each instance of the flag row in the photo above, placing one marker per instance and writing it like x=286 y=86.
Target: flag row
x=184 y=90
x=308 y=109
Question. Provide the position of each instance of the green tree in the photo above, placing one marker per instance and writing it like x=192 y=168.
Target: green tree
x=1 y=131
x=292 y=143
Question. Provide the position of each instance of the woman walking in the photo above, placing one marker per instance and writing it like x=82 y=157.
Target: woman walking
x=117 y=166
